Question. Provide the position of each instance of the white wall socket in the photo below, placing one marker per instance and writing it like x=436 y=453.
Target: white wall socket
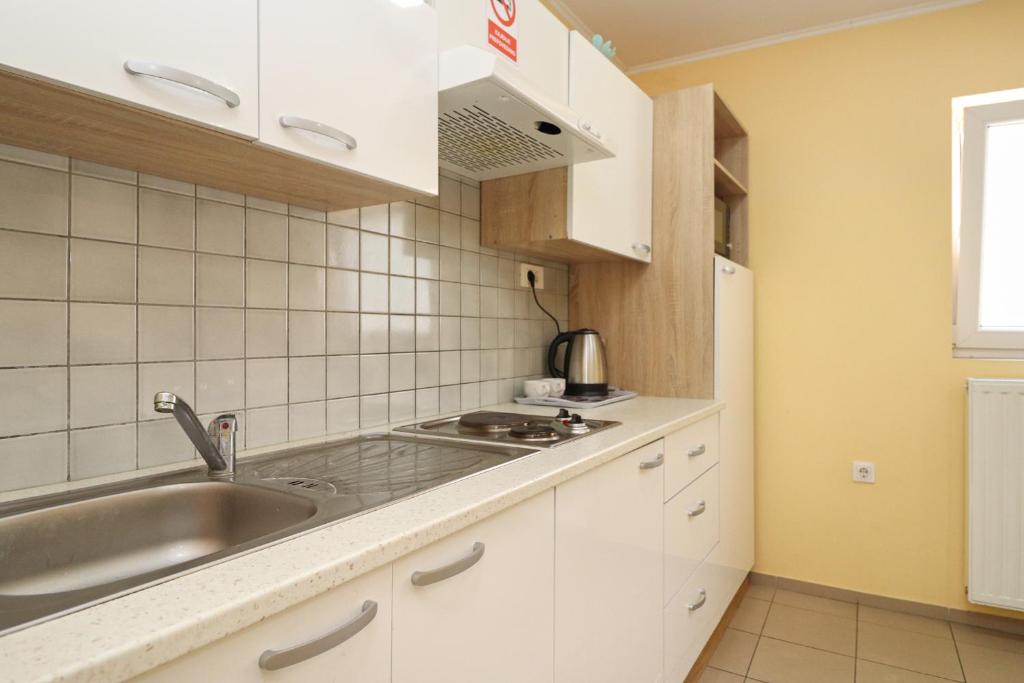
x=863 y=472
x=525 y=268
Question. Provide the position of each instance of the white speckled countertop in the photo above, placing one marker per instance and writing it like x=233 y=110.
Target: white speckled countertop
x=123 y=637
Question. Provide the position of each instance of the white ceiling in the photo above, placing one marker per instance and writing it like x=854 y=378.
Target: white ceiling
x=650 y=31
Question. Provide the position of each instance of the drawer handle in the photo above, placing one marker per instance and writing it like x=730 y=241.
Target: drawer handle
x=138 y=67
x=272 y=660
x=699 y=450
x=642 y=248
x=320 y=129
x=449 y=570
x=652 y=464
x=702 y=597
x=698 y=510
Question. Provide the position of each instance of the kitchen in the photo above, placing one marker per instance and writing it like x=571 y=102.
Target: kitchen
x=418 y=342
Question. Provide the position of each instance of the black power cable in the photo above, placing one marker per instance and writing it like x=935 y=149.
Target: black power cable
x=532 y=278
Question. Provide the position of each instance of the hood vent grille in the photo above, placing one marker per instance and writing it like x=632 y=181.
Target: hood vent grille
x=476 y=140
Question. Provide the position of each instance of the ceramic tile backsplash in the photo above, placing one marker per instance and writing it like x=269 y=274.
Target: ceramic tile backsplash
x=115 y=285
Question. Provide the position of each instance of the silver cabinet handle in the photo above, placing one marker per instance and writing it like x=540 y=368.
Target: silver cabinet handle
x=699 y=450
x=138 y=67
x=651 y=464
x=698 y=510
x=272 y=660
x=729 y=270
x=449 y=570
x=320 y=129
x=702 y=597
x=642 y=248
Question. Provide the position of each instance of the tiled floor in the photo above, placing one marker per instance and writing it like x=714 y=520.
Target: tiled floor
x=779 y=636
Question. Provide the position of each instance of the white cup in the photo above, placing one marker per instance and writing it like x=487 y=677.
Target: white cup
x=556 y=386
x=536 y=388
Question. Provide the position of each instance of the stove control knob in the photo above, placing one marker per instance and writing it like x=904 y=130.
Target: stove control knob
x=577 y=419
x=563 y=414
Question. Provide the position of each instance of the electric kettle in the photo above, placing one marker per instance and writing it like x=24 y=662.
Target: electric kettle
x=585 y=367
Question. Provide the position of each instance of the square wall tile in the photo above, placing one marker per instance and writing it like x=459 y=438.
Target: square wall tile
x=307 y=213
x=373 y=333
x=33 y=333
x=450 y=264
x=470 y=202
x=470 y=396
x=102 y=395
x=450 y=230
x=373 y=410
x=450 y=333
x=165 y=276
x=266 y=235
x=374 y=218
x=177 y=378
x=374 y=376
x=33 y=157
x=220 y=333
x=450 y=298
x=204 y=192
x=163 y=442
x=104 y=450
x=266 y=426
x=220 y=385
x=427 y=224
x=266 y=333
x=307 y=333
x=470 y=269
x=373 y=253
x=266 y=382
x=33 y=266
x=165 y=333
x=90 y=168
x=220 y=280
x=428 y=297
x=307 y=420
x=403 y=219
x=266 y=284
x=427 y=333
x=34 y=460
x=220 y=228
x=167 y=184
x=33 y=400
x=342 y=333
x=266 y=205
x=342 y=290
x=306 y=287
x=403 y=257
x=102 y=333
x=403 y=371
x=342 y=247
x=450 y=367
x=306 y=379
x=403 y=295
x=470 y=366
x=450 y=398
x=347 y=217
x=33 y=199
x=427 y=402
x=402 y=406
x=402 y=333
x=101 y=271
x=428 y=261
x=342 y=376
x=166 y=219
x=306 y=241
x=449 y=198
x=373 y=293
x=428 y=369
x=342 y=415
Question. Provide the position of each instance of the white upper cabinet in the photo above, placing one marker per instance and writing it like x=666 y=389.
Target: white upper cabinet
x=191 y=59
x=478 y=605
x=352 y=84
x=608 y=571
x=610 y=200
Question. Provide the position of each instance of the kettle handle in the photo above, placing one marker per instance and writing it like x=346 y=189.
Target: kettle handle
x=563 y=338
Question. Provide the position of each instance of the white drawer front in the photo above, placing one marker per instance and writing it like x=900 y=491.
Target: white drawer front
x=691 y=530
x=689 y=453
x=691 y=617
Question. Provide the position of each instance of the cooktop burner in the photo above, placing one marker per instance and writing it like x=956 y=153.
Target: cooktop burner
x=543 y=431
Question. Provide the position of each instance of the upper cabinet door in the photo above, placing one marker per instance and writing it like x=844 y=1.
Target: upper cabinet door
x=352 y=84
x=191 y=59
x=610 y=200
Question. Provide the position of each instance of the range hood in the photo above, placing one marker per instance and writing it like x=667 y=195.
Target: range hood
x=493 y=123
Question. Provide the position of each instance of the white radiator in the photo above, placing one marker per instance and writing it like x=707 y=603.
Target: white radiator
x=995 y=506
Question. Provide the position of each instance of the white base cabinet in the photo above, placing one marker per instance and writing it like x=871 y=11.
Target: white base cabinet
x=490 y=621
x=608 y=571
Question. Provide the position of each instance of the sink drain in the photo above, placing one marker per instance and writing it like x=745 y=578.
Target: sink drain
x=302 y=483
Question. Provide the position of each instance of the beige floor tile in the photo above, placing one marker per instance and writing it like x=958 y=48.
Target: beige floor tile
x=908 y=650
x=985 y=665
x=718 y=676
x=779 y=662
x=750 y=615
x=761 y=591
x=873 y=672
x=814 y=629
x=734 y=652
x=816 y=604
x=997 y=640
x=905 y=622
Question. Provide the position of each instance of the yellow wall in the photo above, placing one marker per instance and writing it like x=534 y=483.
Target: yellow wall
x=851 y=248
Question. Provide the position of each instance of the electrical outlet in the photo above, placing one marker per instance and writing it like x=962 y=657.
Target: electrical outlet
x=863 y=472
x=538 y=272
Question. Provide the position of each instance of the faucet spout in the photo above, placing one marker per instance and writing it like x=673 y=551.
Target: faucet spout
x=216 y=445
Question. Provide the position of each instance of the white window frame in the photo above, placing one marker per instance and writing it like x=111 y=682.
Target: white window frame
x=972 y=117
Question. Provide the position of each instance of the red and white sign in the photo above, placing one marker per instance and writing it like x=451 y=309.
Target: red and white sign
x=502 y=27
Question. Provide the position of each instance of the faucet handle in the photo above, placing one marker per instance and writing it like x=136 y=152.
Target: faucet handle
x=222 y=431
x=221 y=424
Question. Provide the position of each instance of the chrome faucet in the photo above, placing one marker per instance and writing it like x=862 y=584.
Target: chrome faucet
x=216 y=443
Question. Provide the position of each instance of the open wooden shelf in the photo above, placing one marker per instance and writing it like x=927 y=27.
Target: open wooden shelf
x=726 y=184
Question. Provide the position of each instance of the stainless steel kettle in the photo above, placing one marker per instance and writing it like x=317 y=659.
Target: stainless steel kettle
x=585 y=367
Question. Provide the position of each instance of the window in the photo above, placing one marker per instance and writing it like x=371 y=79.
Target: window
x=988 y=205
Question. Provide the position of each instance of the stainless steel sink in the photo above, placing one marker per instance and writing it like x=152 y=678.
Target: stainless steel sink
x=66 y=551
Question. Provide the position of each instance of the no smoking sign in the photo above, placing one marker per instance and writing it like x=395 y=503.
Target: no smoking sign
x=502 y=27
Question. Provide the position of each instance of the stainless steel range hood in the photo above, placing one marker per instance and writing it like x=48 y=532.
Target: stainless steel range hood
x=492 y=123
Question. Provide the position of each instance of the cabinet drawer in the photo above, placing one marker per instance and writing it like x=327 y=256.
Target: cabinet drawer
x=689 y=453
x=691 y=529
x=691 y=617
x=365 y=655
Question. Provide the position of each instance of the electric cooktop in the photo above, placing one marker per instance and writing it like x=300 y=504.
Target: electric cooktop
x=538 y=431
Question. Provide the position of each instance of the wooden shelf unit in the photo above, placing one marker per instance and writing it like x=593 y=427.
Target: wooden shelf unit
x=658 y=319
